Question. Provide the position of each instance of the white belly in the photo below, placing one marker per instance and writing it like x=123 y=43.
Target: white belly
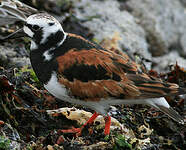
x=55 y=88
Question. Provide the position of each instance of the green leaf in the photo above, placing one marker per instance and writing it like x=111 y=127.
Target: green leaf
x=106 y=138
x=121 y=143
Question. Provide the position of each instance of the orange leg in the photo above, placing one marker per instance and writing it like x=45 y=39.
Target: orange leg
x=77 y=131
x=91 y=120
x=107 y=125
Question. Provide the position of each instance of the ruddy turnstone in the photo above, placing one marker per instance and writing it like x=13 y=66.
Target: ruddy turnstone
x=78 y=71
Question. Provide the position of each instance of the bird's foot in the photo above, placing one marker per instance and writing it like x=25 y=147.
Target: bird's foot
x=73 y=130
x=77 y=131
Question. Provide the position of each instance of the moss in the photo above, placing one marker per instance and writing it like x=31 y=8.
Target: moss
x=31 y=72
x=4 y=143
x=95 y=40
x=121 y=143
x=29 y=147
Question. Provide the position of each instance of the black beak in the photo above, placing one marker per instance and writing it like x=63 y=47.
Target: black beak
x=17 y=34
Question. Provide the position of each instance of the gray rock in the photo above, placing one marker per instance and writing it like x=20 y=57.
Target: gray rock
x=107 y=18
x=163 y=20
x=5 y=54
x=21 y=61
x=8 y=57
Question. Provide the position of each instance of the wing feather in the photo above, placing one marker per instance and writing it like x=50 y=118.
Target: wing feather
x=98 y=73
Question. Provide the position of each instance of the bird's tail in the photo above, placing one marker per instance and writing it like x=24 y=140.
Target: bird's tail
x=162 y=105
x=156 y=90
x=172 y=114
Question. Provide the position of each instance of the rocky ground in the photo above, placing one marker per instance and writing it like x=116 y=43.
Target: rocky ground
x=151 y=32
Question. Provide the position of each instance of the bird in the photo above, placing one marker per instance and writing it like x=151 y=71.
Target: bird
x=79 y=71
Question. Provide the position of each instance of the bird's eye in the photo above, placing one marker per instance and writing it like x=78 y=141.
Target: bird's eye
x=28 y=25
x=35 y=27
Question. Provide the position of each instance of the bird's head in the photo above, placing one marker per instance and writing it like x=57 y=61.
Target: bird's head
x=43 y=30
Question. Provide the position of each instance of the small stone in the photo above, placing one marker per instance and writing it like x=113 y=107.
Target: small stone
x=49 y=147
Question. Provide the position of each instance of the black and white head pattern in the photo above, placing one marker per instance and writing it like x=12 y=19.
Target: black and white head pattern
x=39 y=27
